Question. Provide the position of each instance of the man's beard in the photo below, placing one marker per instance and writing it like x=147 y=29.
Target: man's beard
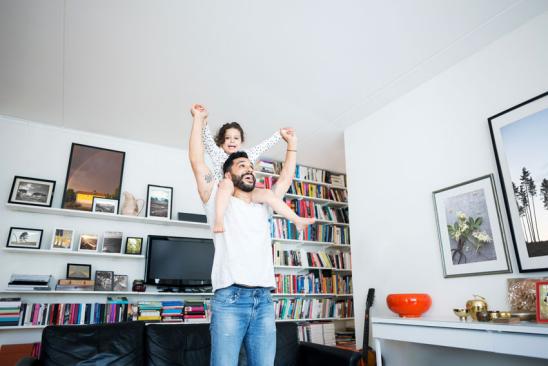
x=239 y=182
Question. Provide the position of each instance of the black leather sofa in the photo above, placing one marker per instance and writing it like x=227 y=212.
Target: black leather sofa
x=134 y=343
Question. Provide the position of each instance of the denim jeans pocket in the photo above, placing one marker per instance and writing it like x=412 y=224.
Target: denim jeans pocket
x=228 y=295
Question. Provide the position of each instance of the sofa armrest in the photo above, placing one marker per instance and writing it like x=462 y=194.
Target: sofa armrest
x=318 y=354
x=28 y=361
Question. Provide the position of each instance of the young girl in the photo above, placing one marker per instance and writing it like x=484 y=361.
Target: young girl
x=229 y=140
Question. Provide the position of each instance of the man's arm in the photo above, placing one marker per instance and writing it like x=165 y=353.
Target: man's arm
x=288 y=170
x=203 y=175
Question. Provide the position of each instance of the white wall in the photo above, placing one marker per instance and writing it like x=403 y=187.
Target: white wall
x=432 y=138
x=41 y=151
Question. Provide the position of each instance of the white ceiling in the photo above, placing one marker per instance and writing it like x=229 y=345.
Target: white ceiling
x=133 y=68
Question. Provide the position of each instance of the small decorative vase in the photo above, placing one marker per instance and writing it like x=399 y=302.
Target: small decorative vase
x=132 y=206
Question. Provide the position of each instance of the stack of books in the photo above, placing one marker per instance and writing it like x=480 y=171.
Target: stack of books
x=9 y=311
x=195 y=312
x=20 y=282
x=346 y=337
x=337 y=180
x=172 y=311
x=150 y=311
x=75 y=285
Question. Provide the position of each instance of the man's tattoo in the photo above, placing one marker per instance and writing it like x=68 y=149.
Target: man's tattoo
x=208 y=178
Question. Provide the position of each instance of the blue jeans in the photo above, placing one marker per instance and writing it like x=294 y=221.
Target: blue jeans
x=240 y=314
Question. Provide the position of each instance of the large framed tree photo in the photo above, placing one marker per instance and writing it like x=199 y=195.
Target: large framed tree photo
x=520 y=140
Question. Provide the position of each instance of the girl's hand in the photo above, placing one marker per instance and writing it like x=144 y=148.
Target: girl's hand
x=289 y=135
x=198 y=111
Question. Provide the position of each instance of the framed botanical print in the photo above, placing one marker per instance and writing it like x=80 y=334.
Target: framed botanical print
x=519 y=137
x=92 y=172
x=471 y=235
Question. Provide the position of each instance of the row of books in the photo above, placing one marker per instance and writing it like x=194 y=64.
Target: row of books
x=114 y=311
x=345 y=309
x=281 y=228
x=9 y=311
x=311 y=308
x=300 y=257
x=320 y=333
x=306 y=208
x=309 y=190
x=313 y=283
x=337 y=194
x=303 y=172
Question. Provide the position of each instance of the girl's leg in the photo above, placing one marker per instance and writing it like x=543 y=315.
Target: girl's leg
x=225 y=191
x=267 y=196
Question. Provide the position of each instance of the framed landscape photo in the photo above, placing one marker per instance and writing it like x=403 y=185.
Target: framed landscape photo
x=542 y=302
x=88 y=242
x=159 y=199
x=62 y=239
x=519 y=137
x=471 y=234
x=120 y=283
x=104 y=205
x=104 y=280
x=78 y=271
x=92 y=172
x=134 y=245
x=112 y=242
x=24 y=238
x=32 y=191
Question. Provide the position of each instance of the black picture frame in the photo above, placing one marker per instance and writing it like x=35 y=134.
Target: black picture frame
x=72 y=268
x=518 y=135
x=140 y=246
x=19 y=197
x=21 y=238
x=70 y=196
x=155 y=209
x=104 y=280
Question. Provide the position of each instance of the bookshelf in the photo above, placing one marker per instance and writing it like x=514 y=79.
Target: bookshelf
x=30 y=333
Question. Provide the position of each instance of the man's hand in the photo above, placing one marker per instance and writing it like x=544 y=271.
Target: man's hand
x=198 y=111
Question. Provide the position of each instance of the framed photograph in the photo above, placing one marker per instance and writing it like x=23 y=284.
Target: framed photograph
x=32 y=191
x=159 y=200
x=542 y=302
x=78 y=271
x=470 y=230
x=62 y=239
x=20 y=237
x=88 y=242
x=112 y=242
x=104 y=280
x=522 y=294
x=105 y=205
x=92 y=172
x=134 y=245
x=519 y=140
x=120 y=283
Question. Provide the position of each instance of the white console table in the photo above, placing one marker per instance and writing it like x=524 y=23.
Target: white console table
x=522 y=339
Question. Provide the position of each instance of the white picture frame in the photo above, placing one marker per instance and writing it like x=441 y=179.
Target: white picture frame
x=60 y=238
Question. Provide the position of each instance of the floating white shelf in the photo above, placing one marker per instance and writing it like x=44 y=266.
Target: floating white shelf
x=102 y=216
x=73 y=252
x=311 y=243
x=317 y=200
x=303 y=268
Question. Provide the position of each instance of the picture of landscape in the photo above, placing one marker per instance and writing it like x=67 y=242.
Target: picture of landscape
x=92 y=172
x=88 y=242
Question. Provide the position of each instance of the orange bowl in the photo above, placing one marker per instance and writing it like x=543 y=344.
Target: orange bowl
x=409 y=305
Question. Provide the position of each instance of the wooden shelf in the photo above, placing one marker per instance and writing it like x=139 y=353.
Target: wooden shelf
x=103 y=216
x=73 y=252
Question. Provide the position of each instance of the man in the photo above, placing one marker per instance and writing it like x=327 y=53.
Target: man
x=243 y=272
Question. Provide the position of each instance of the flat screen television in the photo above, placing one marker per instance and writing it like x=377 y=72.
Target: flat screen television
x=176 y=262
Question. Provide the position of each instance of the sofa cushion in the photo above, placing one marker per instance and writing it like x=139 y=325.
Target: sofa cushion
x=104 y=344
x=178 y=344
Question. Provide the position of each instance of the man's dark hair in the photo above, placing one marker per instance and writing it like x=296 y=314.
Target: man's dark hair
x=220 y=137
x=228 y=163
